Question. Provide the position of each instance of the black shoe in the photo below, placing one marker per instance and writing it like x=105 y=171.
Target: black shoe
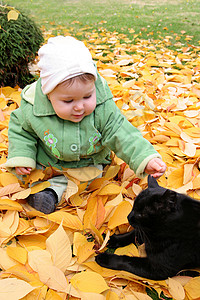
x=44 y=201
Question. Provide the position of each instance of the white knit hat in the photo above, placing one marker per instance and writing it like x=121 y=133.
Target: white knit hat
x=63 y=58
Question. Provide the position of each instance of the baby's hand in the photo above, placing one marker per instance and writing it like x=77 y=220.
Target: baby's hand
x=22 y=170
x=156 y=167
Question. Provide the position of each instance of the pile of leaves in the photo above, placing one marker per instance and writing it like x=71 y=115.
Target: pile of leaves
x=52 y=256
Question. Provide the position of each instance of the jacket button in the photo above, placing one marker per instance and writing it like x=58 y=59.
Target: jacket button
x=73 y=147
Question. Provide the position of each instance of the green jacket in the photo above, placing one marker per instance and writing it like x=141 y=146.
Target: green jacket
x=37 y=135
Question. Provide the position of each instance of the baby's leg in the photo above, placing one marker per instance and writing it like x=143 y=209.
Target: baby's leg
x=58 y=185
x=46 y=200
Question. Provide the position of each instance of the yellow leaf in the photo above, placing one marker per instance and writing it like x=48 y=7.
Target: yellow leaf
x=190 y=149
x=21 y=195
x=53 y=277
x=136 y=188
x=9 y=223
x=90 y=215
x=84 y=174
x=112 y=296
x=166 y=157
x=185 y=188
x=177 y=151
x=173 y=127
x=5 y=261
x=111 y=189
x=192 y=288
x=188 y=139
x=10 y=189
x=112 y=171
x=160 y=138
x=120 y=215
x=136 y=295
x=130 y=250
x=92 y=265
x=191 y=113
x=68 y=219
x=97 y=183
x=72 y=189
x=97 y=234
x=2 y=118
x=36 y=175
x=196 y=183
x=176 y=289
x=175 y=179
x=12 y=15
x=17 y=253
x=188 y=168
x=79 y=239
x=22 y=227
x=16 y=97
x=58 y=244
x=85 y=251
x=39 y=292
x=36 y=258
x=105 y=240
x=32 y=240
x=193 y=132
x=52 y=295
x=13 y=288
x=91 y=296
x=40 y=187
x=8 y=178
x=116 y=201
x=76 y=200
x=89 y=282
x=22 y=272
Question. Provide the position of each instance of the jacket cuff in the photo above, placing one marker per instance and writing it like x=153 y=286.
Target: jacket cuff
x=140 y=170
x=25 y=162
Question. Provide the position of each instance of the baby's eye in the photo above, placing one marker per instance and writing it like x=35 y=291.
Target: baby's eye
x=87 y=97
x=67 y=101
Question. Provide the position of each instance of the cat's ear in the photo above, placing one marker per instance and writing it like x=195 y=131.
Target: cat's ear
x=152 y=182
x=170 y=199
x=170 y=195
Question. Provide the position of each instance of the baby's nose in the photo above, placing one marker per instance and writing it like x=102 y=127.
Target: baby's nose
x=78 y=105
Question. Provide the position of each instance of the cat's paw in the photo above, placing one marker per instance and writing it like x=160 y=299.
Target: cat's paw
x=102 y=259
x=114 y=241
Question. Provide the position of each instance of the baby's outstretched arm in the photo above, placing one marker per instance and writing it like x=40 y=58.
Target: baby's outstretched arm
x=23 y=170
x=156 y=167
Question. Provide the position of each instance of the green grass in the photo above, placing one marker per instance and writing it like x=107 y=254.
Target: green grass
x=150 y=19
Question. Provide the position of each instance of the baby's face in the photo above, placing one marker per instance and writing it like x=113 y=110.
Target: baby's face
x=74 y=102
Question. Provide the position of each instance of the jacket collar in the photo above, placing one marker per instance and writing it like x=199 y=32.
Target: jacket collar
x=42 y=105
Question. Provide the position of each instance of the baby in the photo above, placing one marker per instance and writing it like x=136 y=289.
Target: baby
x=68 y=119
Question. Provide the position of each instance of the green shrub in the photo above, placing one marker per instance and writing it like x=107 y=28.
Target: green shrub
x=20 y=40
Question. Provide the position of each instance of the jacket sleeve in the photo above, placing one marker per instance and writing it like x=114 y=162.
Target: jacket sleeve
x=125 y=140
x=22 y=148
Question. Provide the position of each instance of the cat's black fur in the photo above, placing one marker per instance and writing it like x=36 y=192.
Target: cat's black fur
x=169 y=225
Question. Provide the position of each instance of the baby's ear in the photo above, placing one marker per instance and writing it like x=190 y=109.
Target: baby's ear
x=152 y=182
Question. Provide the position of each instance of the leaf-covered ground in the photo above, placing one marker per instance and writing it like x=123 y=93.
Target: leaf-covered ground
x=52 y=256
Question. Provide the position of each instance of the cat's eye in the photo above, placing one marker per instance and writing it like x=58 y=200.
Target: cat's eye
x=139 y=215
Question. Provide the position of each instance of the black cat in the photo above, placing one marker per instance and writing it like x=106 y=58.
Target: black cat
x=169 y=225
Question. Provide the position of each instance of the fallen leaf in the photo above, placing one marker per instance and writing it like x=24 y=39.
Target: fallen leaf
x=89 y=282
x=120 y=215
x=59 y=246
x=13 y=288
x=176 y=289
x=53 y=277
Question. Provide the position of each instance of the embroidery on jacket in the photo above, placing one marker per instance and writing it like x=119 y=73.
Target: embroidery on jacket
x=93 y=142
x=51 y=142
